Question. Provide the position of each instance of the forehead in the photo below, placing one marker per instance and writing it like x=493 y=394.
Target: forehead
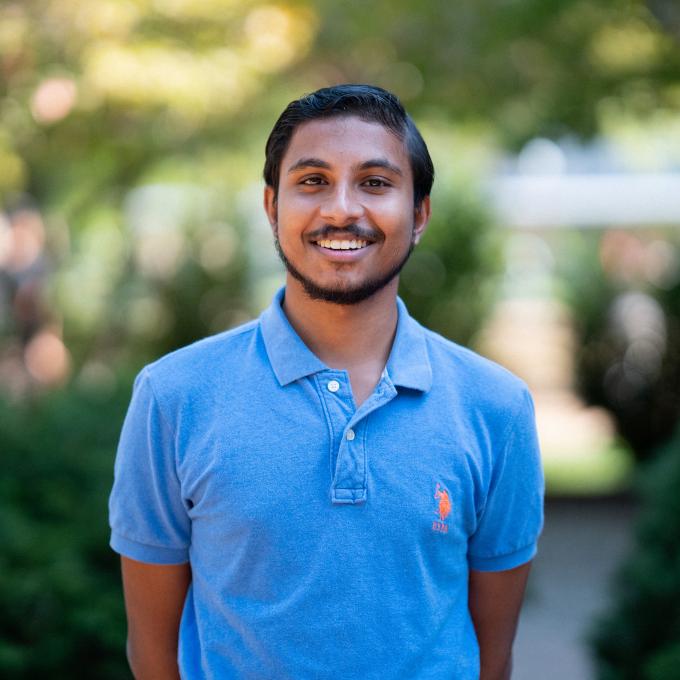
x=345 y=140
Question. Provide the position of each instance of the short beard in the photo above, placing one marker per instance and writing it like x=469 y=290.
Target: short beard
x=343 y=296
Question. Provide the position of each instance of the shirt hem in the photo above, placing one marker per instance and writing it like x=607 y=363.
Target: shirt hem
x=142 y=552
x=503 y=562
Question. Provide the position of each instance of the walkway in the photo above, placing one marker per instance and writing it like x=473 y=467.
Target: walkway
x=582 y=545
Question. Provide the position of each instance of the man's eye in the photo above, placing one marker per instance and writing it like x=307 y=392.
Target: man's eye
x=312 y=181
x=376 y=183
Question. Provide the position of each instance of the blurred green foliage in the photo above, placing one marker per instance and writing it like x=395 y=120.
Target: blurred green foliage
x=62 y=608
x=449 y=282
x=623 y=290
x=639 y=638
x=529 y=67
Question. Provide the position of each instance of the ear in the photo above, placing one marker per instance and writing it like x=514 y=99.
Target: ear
x=270 y=207
x=421 y=218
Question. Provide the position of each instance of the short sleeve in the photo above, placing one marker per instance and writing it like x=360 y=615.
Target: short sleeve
x=149 y=521
x=512 y=518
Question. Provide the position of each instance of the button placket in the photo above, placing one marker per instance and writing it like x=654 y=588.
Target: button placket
x=349 y=481
x=334 y=390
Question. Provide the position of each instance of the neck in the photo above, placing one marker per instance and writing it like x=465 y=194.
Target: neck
x=344 y=336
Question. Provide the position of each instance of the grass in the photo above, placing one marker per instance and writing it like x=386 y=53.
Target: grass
x=592 y=473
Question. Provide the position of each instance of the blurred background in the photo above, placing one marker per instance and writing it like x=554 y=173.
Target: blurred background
x=131 y=149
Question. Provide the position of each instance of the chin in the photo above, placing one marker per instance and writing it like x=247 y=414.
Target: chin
x=340 y=296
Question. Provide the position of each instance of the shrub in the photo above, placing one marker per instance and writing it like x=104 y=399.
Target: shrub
x=449 y=282
x=628 y=332
x=639 y=639
x=61 y=605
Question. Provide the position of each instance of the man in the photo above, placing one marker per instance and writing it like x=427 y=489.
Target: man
x=330 y=491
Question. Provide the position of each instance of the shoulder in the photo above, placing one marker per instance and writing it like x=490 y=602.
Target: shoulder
x=481 y=383
x=197 y=366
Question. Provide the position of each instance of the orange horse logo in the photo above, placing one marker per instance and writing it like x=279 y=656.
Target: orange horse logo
x=442 y=495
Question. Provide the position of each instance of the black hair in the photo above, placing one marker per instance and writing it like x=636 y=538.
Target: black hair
x=368 y=102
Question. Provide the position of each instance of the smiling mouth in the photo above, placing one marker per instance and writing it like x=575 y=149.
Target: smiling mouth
x=336 y=244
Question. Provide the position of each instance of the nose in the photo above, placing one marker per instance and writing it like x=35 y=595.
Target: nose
x=341 y=205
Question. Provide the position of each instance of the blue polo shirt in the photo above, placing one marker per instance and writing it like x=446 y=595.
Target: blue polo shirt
x=325 y=540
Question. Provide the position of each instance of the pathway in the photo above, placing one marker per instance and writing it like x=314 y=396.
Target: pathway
x=582 y=545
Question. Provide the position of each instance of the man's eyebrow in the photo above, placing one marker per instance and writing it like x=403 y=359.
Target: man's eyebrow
x=309 y=163
x=303 y=163
x=381 y=163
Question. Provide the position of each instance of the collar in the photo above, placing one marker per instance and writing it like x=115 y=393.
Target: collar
x=409 y=362
x=407 y=366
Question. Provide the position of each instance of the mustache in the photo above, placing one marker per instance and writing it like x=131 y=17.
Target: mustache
x=328 y=231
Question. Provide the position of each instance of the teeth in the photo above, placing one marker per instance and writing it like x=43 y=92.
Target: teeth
x=335 y=244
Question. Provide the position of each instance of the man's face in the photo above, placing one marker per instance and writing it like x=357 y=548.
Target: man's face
x=344 y=219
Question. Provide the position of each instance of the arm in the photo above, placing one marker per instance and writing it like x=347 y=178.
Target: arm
x=154 y=598
x=495 y=598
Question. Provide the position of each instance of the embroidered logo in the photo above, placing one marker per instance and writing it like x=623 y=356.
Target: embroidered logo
x=443 y=509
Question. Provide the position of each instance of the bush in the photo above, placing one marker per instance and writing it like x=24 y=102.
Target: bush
x=449 y=282
x=640 y=638
x=628 y=331
x=61 y=604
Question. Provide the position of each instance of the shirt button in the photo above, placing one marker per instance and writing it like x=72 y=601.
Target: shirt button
x=333 y=386
x=350 y=435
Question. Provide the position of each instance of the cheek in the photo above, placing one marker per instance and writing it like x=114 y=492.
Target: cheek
x=295 y=211
x=389 y=210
